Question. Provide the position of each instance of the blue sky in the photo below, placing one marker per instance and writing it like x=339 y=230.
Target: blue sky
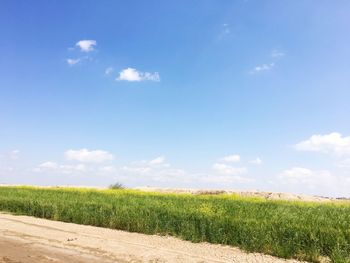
x=203 y=94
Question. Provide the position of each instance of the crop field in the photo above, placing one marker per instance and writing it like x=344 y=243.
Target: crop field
x=301 y=230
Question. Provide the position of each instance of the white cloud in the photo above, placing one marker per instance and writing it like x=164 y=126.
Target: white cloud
x=109 y=70
x=108 y=169
x=56 y=168
x=257 y=161
x=48 y=165
x=333 y=143
x=8 y=169
x=303 y=177
x=143 y=167
x=14 y=154
x=158 y=172
x=78 y=167
x=320 y=182
x=277 y=54
x=228 y=169
x=153 y=172
x=72 y=61
x=85 y=155
x=157 y=161
x=131 y=74
x=227 y=174
x=171 y=175
x=263 y=67
x=232 y=158
x=136 y=169
x=344 y=163
x=86 y=45
x=10 y=155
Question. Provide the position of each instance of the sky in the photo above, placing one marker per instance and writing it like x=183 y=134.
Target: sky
x=242 y=94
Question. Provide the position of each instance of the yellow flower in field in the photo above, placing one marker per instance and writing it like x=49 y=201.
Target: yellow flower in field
x=206 y=209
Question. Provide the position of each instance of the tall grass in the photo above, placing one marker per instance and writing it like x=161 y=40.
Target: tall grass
x=306 y=231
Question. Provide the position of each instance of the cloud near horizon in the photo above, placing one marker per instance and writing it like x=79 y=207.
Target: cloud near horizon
x=60 y=168
x=333 y=143
x=301 y=175
x=14 y=154
x=228 y=169
x=257 y=161
x=85 y=155
x=232 y=158
x=320 y=182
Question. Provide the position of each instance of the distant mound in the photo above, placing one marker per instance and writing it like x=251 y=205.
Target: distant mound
x=252 y=193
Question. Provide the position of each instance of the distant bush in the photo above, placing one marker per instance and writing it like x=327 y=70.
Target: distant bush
x=116 y=186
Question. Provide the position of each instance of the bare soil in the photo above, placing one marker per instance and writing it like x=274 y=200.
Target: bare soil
x=33 y=240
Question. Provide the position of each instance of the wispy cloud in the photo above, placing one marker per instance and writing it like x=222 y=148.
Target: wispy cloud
x=14 y=155
x=157 y=161
x=277 y=54
x=109 y=70
x=72 y=61
x=85 y=155
x=53 y=167
x=11 y=155
x=344 y=163
x=48 y=165
x=131 y=74
x=225 y=30
x=261 y=68
x=232 y=158
x=86 y=45
x=257 y=161
x=143 y=167
x=228 y=169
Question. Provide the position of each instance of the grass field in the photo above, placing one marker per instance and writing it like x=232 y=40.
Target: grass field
x=307 y=231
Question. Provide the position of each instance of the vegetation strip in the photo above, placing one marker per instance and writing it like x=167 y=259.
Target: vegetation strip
x=301 y=230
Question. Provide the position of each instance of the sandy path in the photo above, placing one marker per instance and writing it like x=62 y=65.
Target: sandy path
x=28 y=239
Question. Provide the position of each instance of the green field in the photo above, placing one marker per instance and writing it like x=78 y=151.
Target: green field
x=307 y=231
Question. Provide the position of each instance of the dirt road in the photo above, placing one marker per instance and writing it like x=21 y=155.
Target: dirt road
x=28 y=239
